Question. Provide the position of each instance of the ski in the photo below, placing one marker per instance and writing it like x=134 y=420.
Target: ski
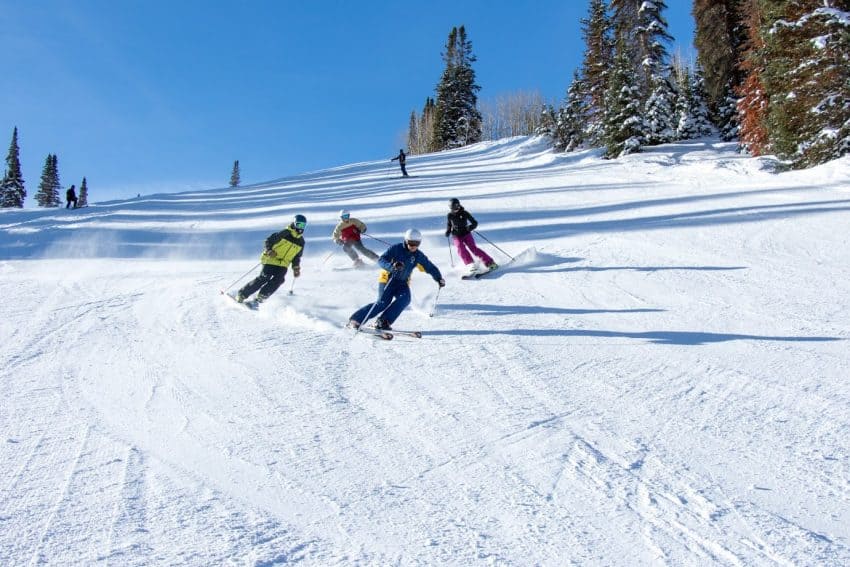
x=386 y=335
x=414 y=334
x=477 y=275
x=253 y=304
x=380 y=334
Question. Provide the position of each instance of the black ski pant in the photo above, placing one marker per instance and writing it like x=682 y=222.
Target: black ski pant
x=351 y=245
x=403 y=169
x=270 y=278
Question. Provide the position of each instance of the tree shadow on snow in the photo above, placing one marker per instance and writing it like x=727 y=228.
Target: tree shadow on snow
x=534 y=309
x=681 y=338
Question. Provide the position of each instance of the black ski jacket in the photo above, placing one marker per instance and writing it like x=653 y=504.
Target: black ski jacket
x=460 y=223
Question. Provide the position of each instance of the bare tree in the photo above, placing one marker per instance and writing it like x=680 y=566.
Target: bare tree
x=511 y=114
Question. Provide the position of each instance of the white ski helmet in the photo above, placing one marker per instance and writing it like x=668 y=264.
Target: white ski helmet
x=412 y=235
x=344 y=214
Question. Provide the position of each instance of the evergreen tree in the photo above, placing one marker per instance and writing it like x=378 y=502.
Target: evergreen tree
x=624 y=123
x=48 y=187
x=234 y=175
x=687 y=126
x=660 y=112
x=752 y=96
x=807 y=78
x=457 y=120
x=700 y=104
x=12 y=191
x=586 y=97
x=83 y=199
x=720 y=39
x=572 y=118
x=625 y=21
x=726 y=114
x=651 y=37
x=548 y=122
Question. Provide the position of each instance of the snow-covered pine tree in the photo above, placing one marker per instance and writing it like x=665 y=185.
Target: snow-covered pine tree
x=807 y=77
x=700 y=106
x=83 y=198
x=48 y=188
x=720 y=38
x=457 y=120
x=660 y=112
x=234 y=175
x=625 y=21
x=572 y=118
x=686 y=122
x=624 y=123
x=12 y=191
x=726 y=115
x=548 y=122
x=652 y=35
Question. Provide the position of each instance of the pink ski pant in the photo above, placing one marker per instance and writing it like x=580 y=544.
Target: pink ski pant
x=465 y=245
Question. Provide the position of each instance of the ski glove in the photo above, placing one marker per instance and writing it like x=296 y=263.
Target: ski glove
x=296 y=271
x=441 y=283
x=271 y=253
x=398 y=266
x=448 y=232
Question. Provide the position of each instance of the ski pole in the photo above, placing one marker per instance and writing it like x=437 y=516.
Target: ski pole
x=292 y=286
x=494 y=246
x=434 y=307
x=451 y=256
x=378 y=239
x=380 y=298
x=240 y=278
x=328 y=256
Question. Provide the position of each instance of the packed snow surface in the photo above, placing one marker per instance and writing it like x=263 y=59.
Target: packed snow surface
x=659 y=377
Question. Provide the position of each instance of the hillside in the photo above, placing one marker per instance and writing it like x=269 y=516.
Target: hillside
x=660 y=377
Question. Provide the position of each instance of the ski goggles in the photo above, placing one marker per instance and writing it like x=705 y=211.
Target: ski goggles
x=413 y=243
x=345 y=217
x=300 y=225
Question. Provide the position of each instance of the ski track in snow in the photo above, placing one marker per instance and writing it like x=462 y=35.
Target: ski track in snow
x=659 y=377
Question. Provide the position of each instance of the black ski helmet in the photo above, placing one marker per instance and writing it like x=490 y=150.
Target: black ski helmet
x=454 y=204
x=299 y=223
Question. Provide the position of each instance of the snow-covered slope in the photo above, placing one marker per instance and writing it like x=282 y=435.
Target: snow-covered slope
x=661 y=377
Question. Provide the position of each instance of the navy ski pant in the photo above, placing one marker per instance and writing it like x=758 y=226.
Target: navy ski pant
x=392 y=300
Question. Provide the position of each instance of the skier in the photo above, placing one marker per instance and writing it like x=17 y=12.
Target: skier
x=71 y=197
x=347 y=234
x=394 y=282
x=281 y=249
x=460 y=225
x=401 y=157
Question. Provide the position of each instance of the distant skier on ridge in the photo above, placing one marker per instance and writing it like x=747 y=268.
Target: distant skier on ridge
x=402 y=158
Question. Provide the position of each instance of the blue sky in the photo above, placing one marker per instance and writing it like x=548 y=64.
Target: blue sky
x=163 y=96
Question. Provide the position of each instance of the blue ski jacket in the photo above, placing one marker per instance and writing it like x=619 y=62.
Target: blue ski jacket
x=400 y=253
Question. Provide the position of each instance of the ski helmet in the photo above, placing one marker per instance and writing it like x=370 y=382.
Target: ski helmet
x=344 y=214
x=412 y=236
x=454 y=204
x=299 y=223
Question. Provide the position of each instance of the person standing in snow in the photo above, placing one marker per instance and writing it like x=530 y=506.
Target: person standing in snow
x=347 y=234
x=397 y=263
x=459 y=225
x=70 y=197
x=280 y=250
x=402 y=158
